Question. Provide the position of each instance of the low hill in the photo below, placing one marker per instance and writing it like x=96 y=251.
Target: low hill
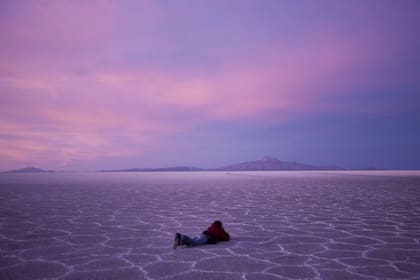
x=29 y=169
x=176 y=168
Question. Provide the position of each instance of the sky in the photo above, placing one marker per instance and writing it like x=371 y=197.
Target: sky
x=88 y=85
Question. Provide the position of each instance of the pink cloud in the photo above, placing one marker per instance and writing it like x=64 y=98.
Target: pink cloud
x=82 y=113
x=75 y=76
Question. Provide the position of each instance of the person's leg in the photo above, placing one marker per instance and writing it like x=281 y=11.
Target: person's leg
x=198 y=240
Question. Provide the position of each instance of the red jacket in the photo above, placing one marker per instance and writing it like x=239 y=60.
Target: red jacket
x=216 y=233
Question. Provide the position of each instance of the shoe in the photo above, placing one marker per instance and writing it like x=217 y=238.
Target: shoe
x=177 y=240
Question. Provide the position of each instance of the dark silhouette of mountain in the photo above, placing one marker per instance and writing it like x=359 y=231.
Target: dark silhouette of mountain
x=29 y=169
x=265 y=163
x=176 y=168
x=271 y=164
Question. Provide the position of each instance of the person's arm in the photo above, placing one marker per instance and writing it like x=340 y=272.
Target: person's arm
x=225 y=235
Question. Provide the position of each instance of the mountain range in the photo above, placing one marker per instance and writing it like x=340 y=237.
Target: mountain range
x=265 y=163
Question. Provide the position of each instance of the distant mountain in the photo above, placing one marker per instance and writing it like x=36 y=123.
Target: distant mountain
x=271 y=164
x=265 y=163
x=175 y=168
x=29 y=169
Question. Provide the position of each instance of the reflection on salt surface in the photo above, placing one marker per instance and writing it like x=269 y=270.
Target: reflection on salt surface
x=401 y=173
x=38 y=178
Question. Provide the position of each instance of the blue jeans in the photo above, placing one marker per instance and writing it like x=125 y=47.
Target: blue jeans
x=198 y=240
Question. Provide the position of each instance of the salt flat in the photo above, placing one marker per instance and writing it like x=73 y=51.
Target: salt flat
x=284 y=225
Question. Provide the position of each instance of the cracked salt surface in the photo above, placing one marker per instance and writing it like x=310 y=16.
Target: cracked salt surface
x=284 y=225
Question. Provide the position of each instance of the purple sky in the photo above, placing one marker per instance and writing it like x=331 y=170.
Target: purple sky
x=88 y=85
